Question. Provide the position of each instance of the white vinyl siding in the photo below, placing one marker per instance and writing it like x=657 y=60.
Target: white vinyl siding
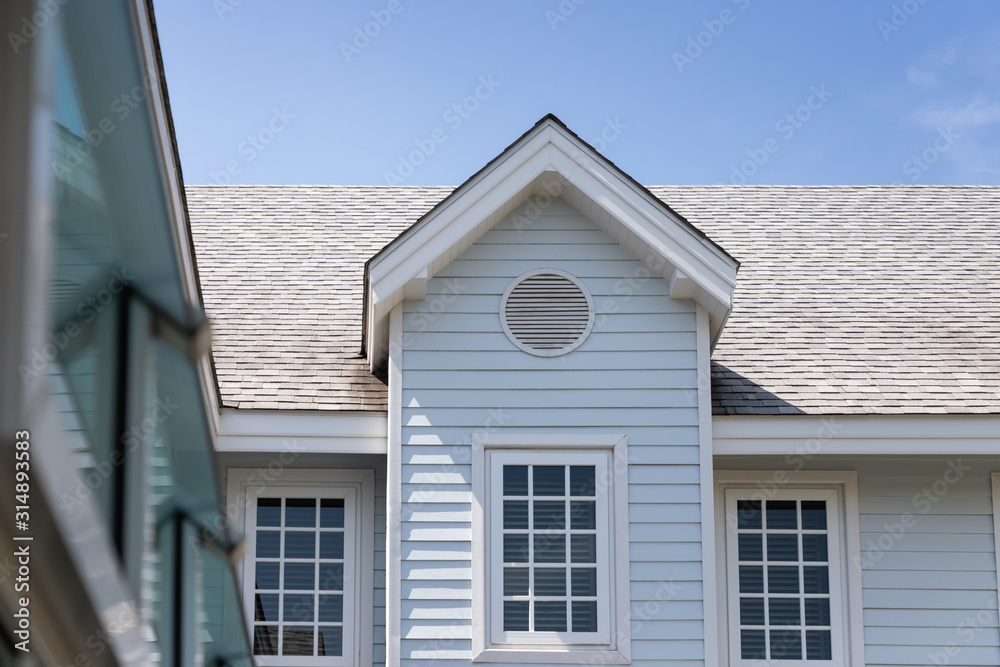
x=635 y=374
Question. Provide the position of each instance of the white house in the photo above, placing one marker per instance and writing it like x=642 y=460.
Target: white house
x=552 y=416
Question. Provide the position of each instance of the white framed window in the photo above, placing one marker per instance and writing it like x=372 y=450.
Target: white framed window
x=789 y=561
x=307 y=574
x=552 y=582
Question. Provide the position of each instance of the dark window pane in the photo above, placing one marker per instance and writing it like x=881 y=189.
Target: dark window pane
x=782 y=547
x=751 y=611
x=584 y=581
x=750 y=547
x=817 y=611
x=268 y=544
x=515 y=548
x=549 y=514
x=748 y=516
x=331 y=545
x=814 y=547
x=752 y=645
x=331 y=513
x=331 y=640
x=818 y=646
x=297 y=641
x=300 y=513
x=515 y=514
x=583 y=548
x=816 y=579
x=300 y=545
x=550 y=616
x=300 y=576
x=783 y=611
x=814 y=514
x=515 y=616
x=550 y=548
x=331 y=576
x=515 y=581
x=781 y=514
x=782 y=579
x=550 y=581
x=584 y=615
x=549 y=480
x=331 y=608
x=269 y=514
x=265 y=640
x=298 y=608
x=786 y=644
x=265 y=607
x=751 y=579
x=581 y=481
x=515 y=480
x=583 y=514
x=267 y=576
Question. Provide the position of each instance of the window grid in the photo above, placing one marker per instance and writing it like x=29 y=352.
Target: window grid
x=568 y=497
x=312 y=608
x=806 y=639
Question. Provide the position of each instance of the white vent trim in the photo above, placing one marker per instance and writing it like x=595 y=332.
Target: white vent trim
x=547 y=312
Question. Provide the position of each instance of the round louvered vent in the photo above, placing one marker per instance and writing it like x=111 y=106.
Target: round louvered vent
x=547 y=312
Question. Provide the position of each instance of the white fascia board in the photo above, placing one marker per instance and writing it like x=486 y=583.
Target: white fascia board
x=302 y=431
x=856 y=435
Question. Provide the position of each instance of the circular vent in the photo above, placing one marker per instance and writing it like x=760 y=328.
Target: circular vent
x=547 y=312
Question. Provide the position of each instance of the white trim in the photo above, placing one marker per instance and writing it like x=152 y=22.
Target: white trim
x=547 y=353
x=302 y=431
x=242 y=481
x=793 y=436
x=766 y=482
x=547 y=153
x=707 y=490
x=995 y=490
x=618 y=651
x=394 y=492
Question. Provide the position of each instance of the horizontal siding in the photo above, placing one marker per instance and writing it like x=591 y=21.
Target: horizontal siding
x=635 y=374
x=930 y=591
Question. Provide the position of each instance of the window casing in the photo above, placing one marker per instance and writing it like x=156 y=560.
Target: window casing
x=553 y=585
x=306 y=575
x=789 y=596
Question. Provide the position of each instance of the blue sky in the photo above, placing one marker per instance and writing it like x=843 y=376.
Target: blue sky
x=425 y=92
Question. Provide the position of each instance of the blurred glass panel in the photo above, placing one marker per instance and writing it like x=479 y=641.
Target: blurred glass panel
x=268 y=544
x=751 y=611
x=300 y=544
x=515 y=580
x=300 y=513
x=786 y=644
x=584 y=581
x=750 y=547
x=265 y=640
x=269 y=512
x=751 y=579
x=814 y=547
x=783 y=611
x=752 y=644
x=265 y=607
x=267 y=576
x=550 y=581
x=748 y=517
x=515 y=548
x=818 y=646
x=298 y=608
x=549 y=514
x=782 y=546
x=817 y=611
x=583 y=514
x=782 y=579
x=297 y=640
x=781 y=515
x=816 y=579
x=299 y=576
x=814 y=514
x=515 y=514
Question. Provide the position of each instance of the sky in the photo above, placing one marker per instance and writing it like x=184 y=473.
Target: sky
x=425 y=92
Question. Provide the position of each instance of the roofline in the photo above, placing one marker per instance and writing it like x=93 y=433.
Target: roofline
x=546 y=118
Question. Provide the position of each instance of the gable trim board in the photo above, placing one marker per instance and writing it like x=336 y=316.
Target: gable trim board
x=548 y=160
x=301 y=431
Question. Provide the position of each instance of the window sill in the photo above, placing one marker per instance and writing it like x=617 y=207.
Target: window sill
x=553 y=656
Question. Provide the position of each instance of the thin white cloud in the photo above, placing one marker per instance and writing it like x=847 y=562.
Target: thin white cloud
x=978 y=112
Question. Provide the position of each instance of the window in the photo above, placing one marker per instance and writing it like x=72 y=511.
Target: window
x=305 y=589
x=787 y=580
x=554 y=582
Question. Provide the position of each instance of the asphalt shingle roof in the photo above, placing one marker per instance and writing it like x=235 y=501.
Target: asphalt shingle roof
x=850 y=299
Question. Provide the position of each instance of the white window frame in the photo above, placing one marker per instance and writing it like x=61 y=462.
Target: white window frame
x=357 y=489
x=840 y=490
x=612 y=644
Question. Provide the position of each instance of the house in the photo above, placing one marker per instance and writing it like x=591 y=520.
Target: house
x=552 y=416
